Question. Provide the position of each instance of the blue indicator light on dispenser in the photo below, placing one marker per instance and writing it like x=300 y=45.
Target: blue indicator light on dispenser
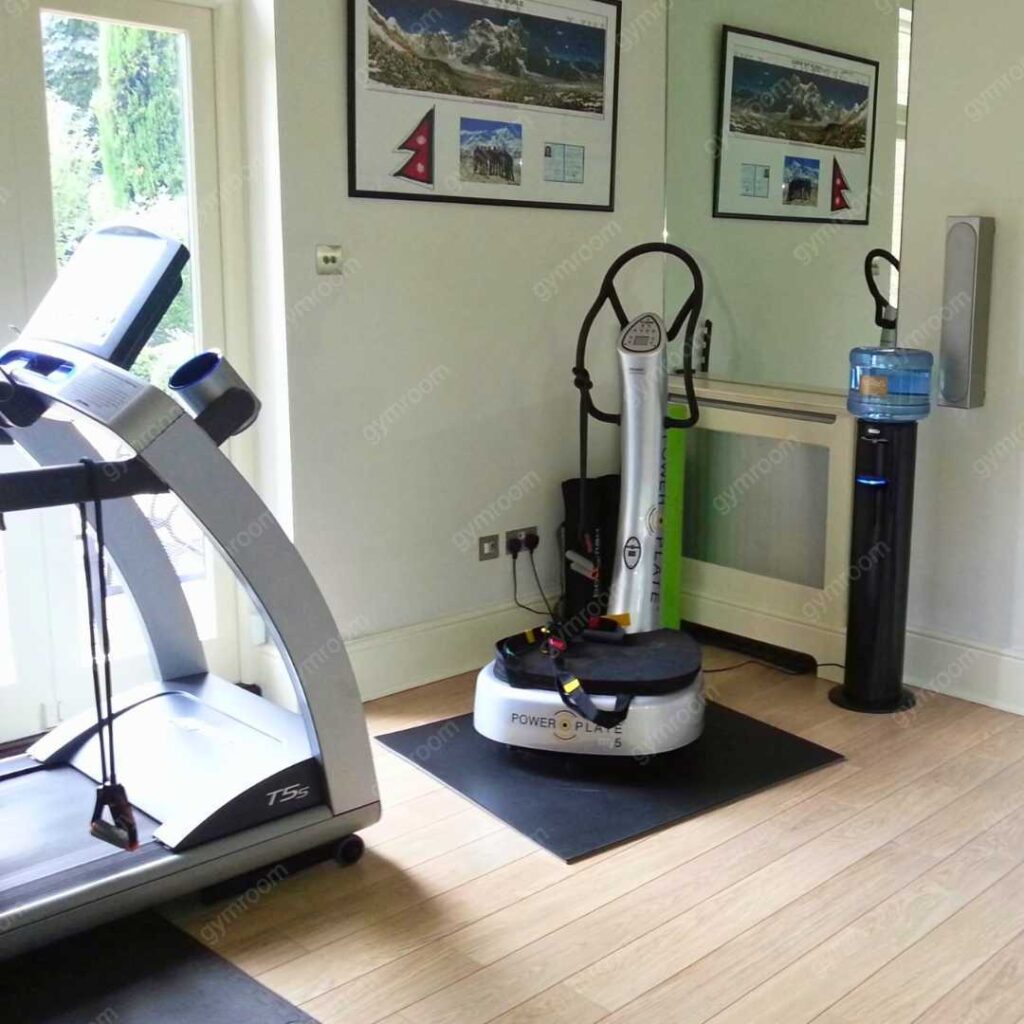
x=891 y=385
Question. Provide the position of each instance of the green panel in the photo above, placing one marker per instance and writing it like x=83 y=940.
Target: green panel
x=672 y=545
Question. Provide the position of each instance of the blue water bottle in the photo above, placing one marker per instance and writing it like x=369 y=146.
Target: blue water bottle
x=890 y=385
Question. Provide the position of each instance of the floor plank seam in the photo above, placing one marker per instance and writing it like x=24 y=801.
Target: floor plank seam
x=397 y=874
x=856 y=810
x=626 y=850
x=981 y=967
x=938 y=725
x=415 y=906
x=894 y=840
x=925 y=936
x=869 y=911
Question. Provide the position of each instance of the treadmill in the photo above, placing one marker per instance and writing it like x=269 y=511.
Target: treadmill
x=222 y=781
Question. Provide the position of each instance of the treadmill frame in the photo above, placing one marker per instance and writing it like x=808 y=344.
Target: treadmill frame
x=265 y=562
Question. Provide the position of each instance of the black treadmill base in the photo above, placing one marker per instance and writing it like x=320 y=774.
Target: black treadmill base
x=282 y=867
x=839 y=696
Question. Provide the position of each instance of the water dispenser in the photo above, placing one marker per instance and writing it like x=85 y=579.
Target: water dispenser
x=890 y=391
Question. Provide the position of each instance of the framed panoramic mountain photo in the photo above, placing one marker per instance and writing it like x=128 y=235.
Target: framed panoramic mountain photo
x=500 y=102
x=796 y=131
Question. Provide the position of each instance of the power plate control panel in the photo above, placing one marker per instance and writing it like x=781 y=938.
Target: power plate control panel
x=645 y=334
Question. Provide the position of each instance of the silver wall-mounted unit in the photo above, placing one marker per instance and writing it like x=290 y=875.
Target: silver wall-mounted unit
x=963 y=349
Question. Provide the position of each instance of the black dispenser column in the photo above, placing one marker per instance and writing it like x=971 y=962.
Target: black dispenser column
x=883 y=507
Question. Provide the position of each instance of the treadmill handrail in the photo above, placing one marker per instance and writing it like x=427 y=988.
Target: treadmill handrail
x=73 y=484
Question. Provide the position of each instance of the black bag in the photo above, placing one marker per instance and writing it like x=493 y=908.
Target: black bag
x=584 y=598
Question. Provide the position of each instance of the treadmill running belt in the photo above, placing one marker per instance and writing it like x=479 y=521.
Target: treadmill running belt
x=44 y=819
x=139 y=969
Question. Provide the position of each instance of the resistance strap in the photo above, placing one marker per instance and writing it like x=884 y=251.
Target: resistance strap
x=120 y=830
x=574 y=697
x=569 y=687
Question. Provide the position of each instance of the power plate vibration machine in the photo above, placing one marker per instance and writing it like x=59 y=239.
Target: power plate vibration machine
x=605 y=678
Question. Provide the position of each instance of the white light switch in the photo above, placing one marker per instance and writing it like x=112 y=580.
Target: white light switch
x=330 y=260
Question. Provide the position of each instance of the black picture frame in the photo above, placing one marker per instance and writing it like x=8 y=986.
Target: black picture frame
x=353 y=131
x=730 y=31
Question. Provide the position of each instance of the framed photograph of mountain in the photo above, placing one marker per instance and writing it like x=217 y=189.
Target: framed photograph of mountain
x=499 y=102
x=796 y=131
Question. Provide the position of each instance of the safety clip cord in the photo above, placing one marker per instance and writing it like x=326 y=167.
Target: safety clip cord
x=688 y=315
x=120 y=830
x=882 y=305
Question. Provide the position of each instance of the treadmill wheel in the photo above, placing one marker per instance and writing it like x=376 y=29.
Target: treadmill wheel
x=349 y=851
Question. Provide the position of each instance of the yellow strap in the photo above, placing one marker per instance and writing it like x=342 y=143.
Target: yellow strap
x=572 y=685
x=529 y=636
x=623 y=619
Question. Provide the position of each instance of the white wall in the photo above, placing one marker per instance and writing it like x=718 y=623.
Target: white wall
x=377 y=520
x=787 y=300
x=965 y=151
x=448 y=294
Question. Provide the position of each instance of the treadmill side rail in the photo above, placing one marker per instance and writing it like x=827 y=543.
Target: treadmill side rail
x=199 y=755
x=296 y=788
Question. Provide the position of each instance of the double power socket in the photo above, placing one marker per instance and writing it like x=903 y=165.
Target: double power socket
x=490 y=546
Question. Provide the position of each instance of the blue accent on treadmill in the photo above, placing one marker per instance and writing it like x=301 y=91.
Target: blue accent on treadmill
x=872 y=481
x=196 y=369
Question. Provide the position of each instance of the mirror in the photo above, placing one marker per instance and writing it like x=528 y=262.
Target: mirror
x=785 y=148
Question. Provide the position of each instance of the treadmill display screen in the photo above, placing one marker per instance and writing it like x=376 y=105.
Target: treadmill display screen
x=112 y=294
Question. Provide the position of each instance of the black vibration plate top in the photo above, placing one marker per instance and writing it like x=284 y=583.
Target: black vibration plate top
x=839 y=696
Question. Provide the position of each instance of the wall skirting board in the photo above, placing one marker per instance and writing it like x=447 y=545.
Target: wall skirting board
x=402 y=659
x=823 y=643
x=941 y=664
x=405 y=658
x=984 y=675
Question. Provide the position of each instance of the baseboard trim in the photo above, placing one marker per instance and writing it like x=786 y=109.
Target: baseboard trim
x=941 y=664
x=402 y=659
x=960 y=668
x=824 y=644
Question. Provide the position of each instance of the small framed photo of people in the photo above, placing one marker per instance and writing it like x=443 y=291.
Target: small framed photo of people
x=796 y=131
x=499 y=102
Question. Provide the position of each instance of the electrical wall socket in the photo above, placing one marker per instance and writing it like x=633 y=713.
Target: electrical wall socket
x=489 y=549
x=521 y=534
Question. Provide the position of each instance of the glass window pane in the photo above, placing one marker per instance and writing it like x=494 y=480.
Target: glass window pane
x=119 y=136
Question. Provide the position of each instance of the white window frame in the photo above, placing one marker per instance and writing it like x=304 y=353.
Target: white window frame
x=218 y=214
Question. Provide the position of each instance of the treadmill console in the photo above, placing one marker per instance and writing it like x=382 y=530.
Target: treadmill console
x=112 y=294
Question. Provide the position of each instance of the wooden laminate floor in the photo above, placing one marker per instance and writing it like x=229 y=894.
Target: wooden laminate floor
x=887 y=889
